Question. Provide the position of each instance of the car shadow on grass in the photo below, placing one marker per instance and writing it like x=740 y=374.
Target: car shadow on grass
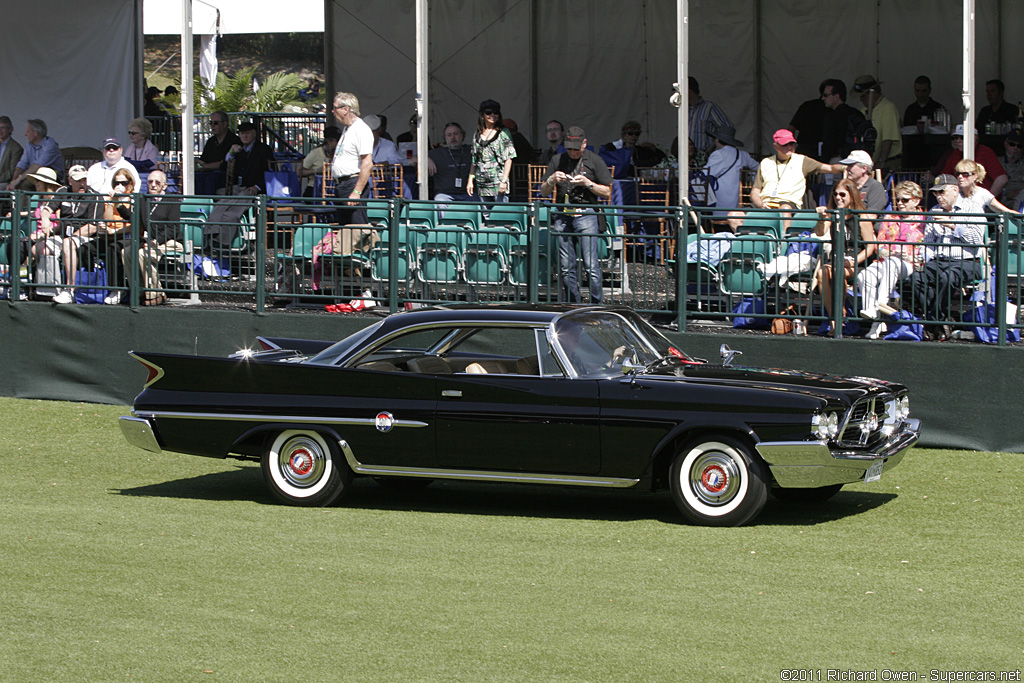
x=511 y=500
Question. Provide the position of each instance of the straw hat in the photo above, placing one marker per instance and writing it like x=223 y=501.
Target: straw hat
x=45 y=175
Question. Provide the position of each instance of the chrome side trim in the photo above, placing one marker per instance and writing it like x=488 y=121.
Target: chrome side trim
x=300 y=419
x=139 y=432
x=481 y=475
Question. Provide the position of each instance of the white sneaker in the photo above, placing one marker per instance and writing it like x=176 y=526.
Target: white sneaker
x=113 y=299
x=877 y=331
x=64 y=296
x=869 y=313
x=368 y=300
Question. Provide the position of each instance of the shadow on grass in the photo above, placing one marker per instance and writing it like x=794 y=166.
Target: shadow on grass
x=512 y=500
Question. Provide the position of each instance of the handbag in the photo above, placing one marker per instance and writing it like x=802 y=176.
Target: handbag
x=784 y=325
x=90 y=284
x=283 y=183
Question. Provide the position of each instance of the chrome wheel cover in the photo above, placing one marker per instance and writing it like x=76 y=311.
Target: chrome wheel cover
x=301 y=461
x=715 y=478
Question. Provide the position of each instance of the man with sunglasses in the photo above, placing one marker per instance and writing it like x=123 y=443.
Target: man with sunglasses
x=1013 y=164
x=353 y=159
x=102 y=172
x=219 y=144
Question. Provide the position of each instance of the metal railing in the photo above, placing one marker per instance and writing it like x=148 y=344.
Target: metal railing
x=686 y=267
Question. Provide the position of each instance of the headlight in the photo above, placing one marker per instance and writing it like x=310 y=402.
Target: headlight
x=825 y=426
x=903 y=408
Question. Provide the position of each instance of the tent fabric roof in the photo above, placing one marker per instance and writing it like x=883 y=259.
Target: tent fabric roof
x=236 y=16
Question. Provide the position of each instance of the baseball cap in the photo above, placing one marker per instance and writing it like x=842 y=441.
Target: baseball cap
x=941 y=182
x=574 y=138
x=959 y=130
x=490 y=104
x=783 y=137
x=77 y=172
x=111 y=142
x=248 y=125
x=858 y=156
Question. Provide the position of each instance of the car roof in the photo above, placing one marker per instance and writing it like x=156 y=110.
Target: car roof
x=498 y=313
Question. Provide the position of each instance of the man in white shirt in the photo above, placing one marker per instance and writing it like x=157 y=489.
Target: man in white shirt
x=102 y=172
x=353 y=158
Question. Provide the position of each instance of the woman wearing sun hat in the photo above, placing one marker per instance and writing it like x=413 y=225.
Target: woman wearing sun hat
x=493 y=152
x=46 y=238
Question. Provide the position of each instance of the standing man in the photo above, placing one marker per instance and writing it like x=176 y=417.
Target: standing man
x=705 y=118
x=839 y=129
x=555 y=133
x=10 y=152
x=42 y=152
x=577 y=178
x=449 y=166
x=102 y=172
x=886 y=120
x=923 y=104
x=353 y=158
x=808 y=124
x=997 y=113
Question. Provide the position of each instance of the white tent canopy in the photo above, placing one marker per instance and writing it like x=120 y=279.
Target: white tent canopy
x=236 y=16
x=600 y=63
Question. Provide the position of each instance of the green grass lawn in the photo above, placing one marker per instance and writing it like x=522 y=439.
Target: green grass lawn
x=117 y=564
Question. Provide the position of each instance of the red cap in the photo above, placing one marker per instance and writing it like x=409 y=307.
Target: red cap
x=783 y=137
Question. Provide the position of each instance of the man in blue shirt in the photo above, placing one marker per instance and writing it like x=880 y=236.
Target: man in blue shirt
x=42 y=151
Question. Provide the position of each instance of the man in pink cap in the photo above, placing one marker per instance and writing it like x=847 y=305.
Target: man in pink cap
x=781 y=180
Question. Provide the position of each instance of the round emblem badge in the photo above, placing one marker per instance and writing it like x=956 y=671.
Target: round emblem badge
x=384 y=421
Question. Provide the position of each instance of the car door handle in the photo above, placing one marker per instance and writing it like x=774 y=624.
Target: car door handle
x=451 y=393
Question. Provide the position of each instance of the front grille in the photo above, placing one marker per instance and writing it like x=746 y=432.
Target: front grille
x=867 y=421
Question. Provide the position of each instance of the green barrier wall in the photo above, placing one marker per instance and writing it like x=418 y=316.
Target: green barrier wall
x=964 y=394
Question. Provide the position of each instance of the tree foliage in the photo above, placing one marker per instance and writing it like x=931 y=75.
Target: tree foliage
x=236 y=93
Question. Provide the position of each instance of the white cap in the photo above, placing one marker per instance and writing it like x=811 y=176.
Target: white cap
x=858 y=156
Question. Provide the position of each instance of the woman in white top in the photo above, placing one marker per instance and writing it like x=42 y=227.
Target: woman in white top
x=973 y=197
x=140 y=147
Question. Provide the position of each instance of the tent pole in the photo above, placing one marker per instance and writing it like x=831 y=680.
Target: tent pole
x=422 y=88
x=968 y=67
x=187 y=103
x=683 y=74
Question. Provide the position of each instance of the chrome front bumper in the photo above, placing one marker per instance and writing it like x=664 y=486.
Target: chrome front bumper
x=138 y=431
x=812 y=464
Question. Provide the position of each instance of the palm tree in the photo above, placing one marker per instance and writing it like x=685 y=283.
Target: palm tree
x=241 y=93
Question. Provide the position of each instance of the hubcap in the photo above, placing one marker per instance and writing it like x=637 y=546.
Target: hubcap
x=302 y=461
x=714 y=478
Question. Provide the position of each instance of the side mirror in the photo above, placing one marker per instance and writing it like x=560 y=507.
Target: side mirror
x=629 y=367
x=728 y=354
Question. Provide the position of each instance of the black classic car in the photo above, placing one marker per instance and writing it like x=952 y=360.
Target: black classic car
x=532 y=394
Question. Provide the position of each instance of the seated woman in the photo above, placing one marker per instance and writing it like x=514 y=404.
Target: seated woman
x=140 y=150
x=897 y=258
x=857 y=229
x=46 y=238
x=970 y=175
x=117 y=218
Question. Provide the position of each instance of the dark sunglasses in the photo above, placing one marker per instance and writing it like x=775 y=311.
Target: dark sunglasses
x=120 y=183
x=842 y=194
x=109 y=147
x=1014 y=144
x=964 y=174
x=903 y=200
x=489 y=112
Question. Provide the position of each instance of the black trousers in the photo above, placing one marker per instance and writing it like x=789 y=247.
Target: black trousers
x=347 y=215
x=933 y=287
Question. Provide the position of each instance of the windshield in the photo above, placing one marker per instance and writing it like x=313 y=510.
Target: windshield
x=595 y=343
x=332 y=353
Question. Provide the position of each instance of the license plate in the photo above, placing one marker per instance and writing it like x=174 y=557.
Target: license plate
x=874 y=472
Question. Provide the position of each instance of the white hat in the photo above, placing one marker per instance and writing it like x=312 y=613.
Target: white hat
x=372 y=120
x=960 y=130
x=858 y=156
